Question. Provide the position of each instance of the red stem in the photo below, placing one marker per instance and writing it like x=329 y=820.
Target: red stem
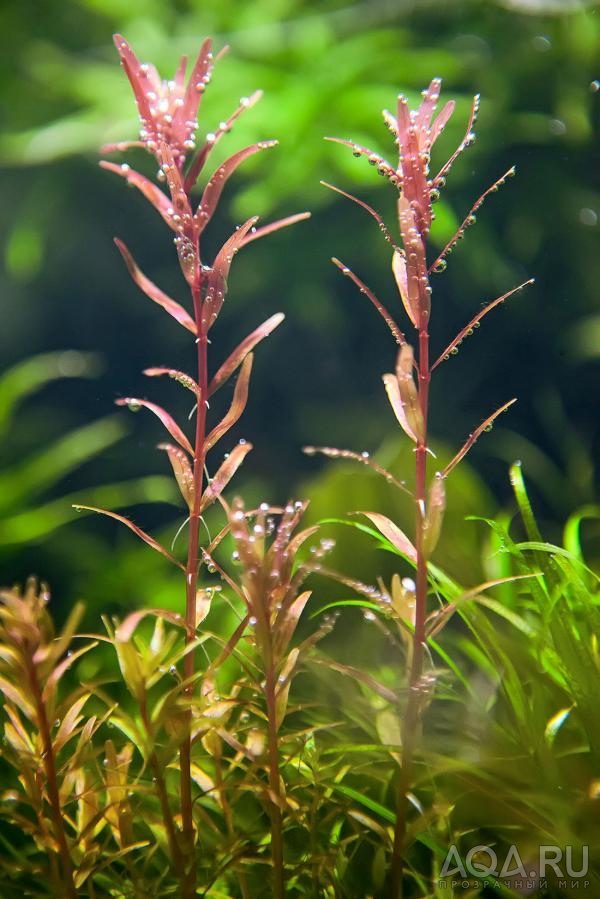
x=191 y=586
x=412 y=714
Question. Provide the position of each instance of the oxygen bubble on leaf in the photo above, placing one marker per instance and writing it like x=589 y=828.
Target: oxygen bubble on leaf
x=595 y=86
x=588 y=217
x=253 y=621
x=557 y=127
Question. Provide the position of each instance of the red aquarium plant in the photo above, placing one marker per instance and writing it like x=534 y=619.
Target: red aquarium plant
x=415 y=133
x=168 y=113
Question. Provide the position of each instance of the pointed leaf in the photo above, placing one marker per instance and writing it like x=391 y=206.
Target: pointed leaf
x=176 y=375
x=57 y=673
x=241 y=351
x=199 y=79
x=277 y=225
x=474 y=323
x=217 y=278
x=427 y=107
x=182 y=471
x=200 y=159
x=442 y=120
x=133 y=403
x=238 y=404
x=153 y=194
x=408 y=390
x=399 y=270
x=382 y=225
x=393 y=391
x=154 y=292
x=224 y=474
x=472 y=438
x=284 y=628
x=132 y=67
x=392 y=532
x=70 y=722
x=396 y=332
x=218 y=180
x=136 y=530
x=434 y=516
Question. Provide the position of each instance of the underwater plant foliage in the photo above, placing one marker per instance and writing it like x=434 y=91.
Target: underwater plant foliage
x=265 y=721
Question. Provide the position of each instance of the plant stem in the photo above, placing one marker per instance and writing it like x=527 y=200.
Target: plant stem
x=161 y=792
x=412 y=712
x=52 y=781
x=191 y=586
x=274 y=783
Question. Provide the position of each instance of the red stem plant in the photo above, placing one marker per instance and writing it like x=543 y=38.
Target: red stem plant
x=168 y=113
x=415 y=132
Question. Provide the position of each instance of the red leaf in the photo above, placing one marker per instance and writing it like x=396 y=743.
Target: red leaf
x=199 y=78
x=238 y=404
x=427 y=108
x=132 y=67
x=168 y=421
x=203 y=154
x=217 y=279
x=472 y=438
x=393 y=391
x=180 y=376
x=153 y=194
x=154 y=292
x=442 y=120
x=136 y=530
x=386 y=316
x=392 y=533
x=217 y=182
x=224 y=474
x=241 y=351
x=382 y=225
x=436 y=505
x=182 y=471
x=277 y=225
x=400 y=274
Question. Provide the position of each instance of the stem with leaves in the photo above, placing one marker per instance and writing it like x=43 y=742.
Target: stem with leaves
x=415 y=132
x=51 y=777
x=168 y=116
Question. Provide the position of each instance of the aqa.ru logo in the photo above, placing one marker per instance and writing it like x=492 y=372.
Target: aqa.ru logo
x=482 y=863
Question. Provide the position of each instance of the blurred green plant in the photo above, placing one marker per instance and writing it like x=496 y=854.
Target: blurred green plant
x=26 y=512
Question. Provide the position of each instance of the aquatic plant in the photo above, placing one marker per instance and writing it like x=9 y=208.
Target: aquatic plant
x=415 y=133
x=168 y=113
x=184 y=778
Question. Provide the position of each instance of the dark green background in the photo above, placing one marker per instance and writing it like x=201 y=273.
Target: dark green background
x=326 y=68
